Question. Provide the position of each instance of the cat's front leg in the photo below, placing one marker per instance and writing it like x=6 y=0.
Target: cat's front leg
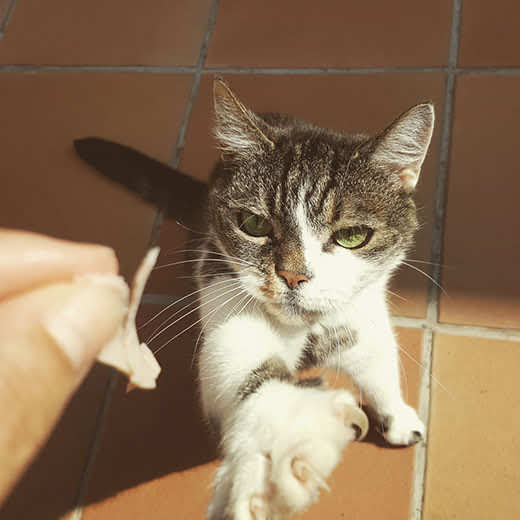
x=373 y=364
x=279 y=440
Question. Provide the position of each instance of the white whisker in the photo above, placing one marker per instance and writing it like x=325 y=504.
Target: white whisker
x=425 y=274
x=423 y=367
x=210 y=252
x=338 y=350
x=198 y=321
x=204 y=327
x=213 y=275
x=403 y=372
x=396 y=295
x=177 y=301
x=234 y=307
x=200 y=260
x=422 y=262
x=430 y=373
x=245 y=305
x=191 y=312
x=195 y=301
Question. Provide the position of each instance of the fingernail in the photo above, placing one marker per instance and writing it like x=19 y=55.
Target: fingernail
x=89 y=318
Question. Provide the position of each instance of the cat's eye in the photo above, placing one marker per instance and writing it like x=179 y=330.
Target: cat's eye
x=353 y=237
x=254 y=225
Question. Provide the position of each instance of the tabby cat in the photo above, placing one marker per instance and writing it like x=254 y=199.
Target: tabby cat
x=305 y=227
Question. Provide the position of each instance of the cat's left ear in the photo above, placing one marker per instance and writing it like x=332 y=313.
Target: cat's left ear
x=401 y=148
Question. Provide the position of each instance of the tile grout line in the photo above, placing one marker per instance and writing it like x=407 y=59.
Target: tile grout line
x=183 y=128
x=432 y=313
x=322 y=70
x=442 y=175
x=8 y=16
x=77 y=513
x=456 y=329
x=165 y=69
x=478 y=332
x=500 y=71
x=181 y=138
x=106 y=401
x=143 y=69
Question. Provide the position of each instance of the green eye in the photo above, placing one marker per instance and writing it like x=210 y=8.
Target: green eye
x=254 y=225
x=353 y=237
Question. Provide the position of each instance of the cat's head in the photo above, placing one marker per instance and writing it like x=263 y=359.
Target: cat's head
x=311 y=215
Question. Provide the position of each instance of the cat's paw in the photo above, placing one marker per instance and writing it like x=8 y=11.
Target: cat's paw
x=282 y=446
x=403 y=428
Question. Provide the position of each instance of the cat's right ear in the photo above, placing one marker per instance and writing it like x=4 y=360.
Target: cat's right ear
x=238 y=130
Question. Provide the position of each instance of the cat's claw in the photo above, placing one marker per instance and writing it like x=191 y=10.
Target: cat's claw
x=404 y=427
x=275 y=467
x=258 y=507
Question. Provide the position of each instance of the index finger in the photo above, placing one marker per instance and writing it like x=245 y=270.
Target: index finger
x=28 y=260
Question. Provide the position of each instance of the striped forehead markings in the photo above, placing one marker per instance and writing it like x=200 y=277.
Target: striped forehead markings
x=311 y=245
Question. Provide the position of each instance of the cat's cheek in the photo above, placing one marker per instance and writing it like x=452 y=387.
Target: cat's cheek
x=259 y=289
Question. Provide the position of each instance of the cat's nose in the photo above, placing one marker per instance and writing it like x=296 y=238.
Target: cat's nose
x=292 y=279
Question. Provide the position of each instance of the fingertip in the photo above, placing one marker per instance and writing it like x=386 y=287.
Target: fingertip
x=106 y=260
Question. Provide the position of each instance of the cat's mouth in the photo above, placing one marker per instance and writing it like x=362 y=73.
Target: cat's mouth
x=290 y=304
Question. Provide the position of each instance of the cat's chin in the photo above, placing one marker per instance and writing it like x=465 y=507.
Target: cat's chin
x=296 y=317
x=291 y=312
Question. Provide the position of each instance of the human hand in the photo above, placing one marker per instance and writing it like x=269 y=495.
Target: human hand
x=51 y=330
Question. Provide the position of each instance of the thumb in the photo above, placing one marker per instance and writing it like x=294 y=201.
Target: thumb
x=49 y=338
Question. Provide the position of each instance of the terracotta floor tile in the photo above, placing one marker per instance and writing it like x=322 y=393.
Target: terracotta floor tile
x=48 y=490
x=58 y=32
x=338 y=34
x=482 y=243
x=489 y=34
x=47 y=188
x=156 y=460
x=473 y=449
x=350 y=103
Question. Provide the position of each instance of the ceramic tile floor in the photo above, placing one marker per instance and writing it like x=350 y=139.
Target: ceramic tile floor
x=140 y=74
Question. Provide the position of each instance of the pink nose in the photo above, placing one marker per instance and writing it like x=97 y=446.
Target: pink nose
x=292 y=279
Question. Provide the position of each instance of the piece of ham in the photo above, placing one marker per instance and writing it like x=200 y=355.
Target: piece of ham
x=124 y=352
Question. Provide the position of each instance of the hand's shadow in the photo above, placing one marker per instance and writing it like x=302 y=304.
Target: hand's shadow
x=151 y=434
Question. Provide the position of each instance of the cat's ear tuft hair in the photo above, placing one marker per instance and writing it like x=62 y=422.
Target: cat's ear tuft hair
x=237 y=129
x=401 y=148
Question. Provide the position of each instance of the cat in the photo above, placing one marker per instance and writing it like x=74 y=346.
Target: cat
x=305 y=227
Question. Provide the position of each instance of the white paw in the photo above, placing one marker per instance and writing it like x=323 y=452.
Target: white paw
x=279 y=450
x=404 y=427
